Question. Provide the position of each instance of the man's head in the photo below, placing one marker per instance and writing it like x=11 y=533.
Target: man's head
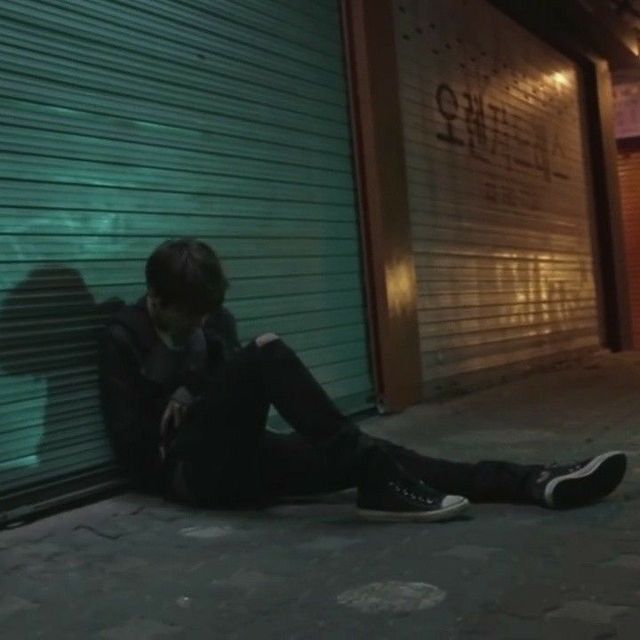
x=185 y=283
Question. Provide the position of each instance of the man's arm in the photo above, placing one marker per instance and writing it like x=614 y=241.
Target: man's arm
x=232 y=329
x=131 y=425
x=221 y=336
x=222 y=325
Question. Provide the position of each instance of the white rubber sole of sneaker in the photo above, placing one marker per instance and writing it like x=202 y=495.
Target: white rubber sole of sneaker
x=415 y=516
x=616 y=459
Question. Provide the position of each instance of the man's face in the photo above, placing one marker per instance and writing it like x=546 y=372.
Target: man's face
x=178 y=323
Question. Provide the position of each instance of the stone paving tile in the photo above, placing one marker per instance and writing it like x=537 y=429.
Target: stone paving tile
x=587 y=611
x=12 y=604
x=628 y=624
x=500 y=626
x=135 y=566
x=624 y=561
x=471 y=552
x=139 y=629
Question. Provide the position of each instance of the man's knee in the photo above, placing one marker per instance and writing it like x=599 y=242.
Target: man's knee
x=265 y=338
x=271 y=347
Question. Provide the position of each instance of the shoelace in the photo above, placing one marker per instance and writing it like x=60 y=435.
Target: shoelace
x=571 y=469
x=547 y=472
x=410 y=494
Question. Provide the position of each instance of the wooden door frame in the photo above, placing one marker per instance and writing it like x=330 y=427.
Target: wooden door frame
x=390 y=277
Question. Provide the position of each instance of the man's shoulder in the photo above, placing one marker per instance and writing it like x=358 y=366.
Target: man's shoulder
x=115 y=309
x=129 y=321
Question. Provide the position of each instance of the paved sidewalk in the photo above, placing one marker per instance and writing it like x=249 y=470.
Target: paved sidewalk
x=134 y=568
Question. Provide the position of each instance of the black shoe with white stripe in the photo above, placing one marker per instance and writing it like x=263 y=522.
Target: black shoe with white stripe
x=403 y=501
x=581 y=483
x=392 y=495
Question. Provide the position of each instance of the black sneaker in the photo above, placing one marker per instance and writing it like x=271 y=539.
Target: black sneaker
x=578 y=484
x=405 y=500
x=388 y=493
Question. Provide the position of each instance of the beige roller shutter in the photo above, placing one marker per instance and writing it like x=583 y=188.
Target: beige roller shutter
x=498 y=195
x=629 y=174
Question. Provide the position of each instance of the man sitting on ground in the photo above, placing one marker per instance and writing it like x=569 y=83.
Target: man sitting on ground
x=186 y=408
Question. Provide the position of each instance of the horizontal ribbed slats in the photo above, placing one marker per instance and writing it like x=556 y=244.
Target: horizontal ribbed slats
x=629 y=178
x=498 y=196
x=126 y=122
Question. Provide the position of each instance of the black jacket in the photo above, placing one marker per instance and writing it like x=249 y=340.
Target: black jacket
x=138 y=374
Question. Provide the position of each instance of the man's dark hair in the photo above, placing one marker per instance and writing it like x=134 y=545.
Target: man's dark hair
x=186 y=273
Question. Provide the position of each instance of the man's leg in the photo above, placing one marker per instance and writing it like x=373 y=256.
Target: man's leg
x=290 y=466
x=485 y=481
x=550 y=485
x=268 y=372
x=303 y=403
x=385 y=490
x=230 y=428
x=223 y=447
x=298 y=397
x=219 y=446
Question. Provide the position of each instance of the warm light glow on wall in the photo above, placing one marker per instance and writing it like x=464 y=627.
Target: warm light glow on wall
x=401 y=286
x=561 y=78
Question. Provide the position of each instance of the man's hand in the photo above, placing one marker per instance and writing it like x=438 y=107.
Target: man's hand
x=171 y=421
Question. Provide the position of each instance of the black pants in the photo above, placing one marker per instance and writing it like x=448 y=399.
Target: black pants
x=230 y=459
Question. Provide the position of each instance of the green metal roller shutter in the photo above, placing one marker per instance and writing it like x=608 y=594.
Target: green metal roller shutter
x=126 y=122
